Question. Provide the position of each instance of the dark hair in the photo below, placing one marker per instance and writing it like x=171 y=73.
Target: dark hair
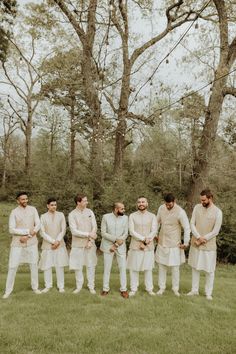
x=20 y=194
x=79 y=197
x=169 y=197
x=142 y=196
x=115 y=205
x=50 y=200
x=207 y=192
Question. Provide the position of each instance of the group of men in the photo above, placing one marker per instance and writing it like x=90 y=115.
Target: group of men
x=144 y=228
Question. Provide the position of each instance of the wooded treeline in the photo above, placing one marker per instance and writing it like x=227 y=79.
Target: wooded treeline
x=88 y=103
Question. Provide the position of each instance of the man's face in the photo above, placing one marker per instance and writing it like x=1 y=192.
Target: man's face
x=52 y=207
x=142 y=204
x=120 y=209
x=205 y=201
x=83 y=203
x=23 y=200
x=169 y=205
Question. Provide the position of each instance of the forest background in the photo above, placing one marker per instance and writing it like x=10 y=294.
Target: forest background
x=118 y=99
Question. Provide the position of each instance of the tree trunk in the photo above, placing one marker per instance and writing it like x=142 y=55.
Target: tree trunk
x=72 y=138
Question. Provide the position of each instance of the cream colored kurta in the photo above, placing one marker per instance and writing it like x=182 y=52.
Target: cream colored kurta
x=171 y=222
x=81 y=223
x=205 y=222
x=141 y=226
x=53 y=228
x=21 y=222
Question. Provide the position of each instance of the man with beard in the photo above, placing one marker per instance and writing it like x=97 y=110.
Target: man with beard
x=143 y=229
x=170 y=251
x=114 y=230
x=24 y=224
x=205 y=224
x=83 y=227
x=54 y=253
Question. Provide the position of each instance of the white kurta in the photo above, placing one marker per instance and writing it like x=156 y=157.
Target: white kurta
x=21 y=221
x=139 y=260
x=80 y=221
x=53 y=228
x=173 y=256
x=204 y=259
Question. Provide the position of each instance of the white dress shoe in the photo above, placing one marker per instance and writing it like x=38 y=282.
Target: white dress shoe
x=37 y=291
x=176 y=293
x=132 y=293
x=92 y=291
x=61 y=290
x=45 y=290
x=192 y=293
x=151 y=293
x=6 y=295
x=160 y=292
x=76 y=291
x=209 y=297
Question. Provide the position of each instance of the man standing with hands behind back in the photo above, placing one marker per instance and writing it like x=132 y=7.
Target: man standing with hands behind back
x=24 y=224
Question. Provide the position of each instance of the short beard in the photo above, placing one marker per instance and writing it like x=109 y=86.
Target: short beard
x=120 y=213
x=206 y=205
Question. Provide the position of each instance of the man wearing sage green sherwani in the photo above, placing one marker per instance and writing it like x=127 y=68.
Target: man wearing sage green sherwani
x=170 y=250
x=24 y=224
x=83 y=227
x=143 y=229
x=114 y=230
x=205 y=224
x=54 y=253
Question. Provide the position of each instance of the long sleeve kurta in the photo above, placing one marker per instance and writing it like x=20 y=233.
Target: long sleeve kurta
x=112 y=228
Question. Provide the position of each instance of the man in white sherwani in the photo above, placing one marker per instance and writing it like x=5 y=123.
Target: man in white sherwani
x=83 y=227
x=205 y=224
x=170 y=251
x=114 y=230
x=24 y=224
x=143 y=229
x=54 y=253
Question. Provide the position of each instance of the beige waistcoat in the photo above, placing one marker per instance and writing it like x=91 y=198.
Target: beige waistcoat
x=170 y=233
x=85 y=222
x=53 y=225
x=142 y=225
x=24 y=218
x=205 y=221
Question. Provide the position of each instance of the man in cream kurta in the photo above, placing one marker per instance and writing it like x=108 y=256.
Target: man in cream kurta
x=143 y=229
x=83 y=227
x=24 y=224
x=114 y=230
x=205 y=224
x=170 y=251
x=54 y=253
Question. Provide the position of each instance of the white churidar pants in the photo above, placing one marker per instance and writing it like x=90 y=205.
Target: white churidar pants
x=59 y=275
x=12 y=274
x=162 y=277
x=121 y=260
x=79 y=277
x=208 y=284
x=134 y=280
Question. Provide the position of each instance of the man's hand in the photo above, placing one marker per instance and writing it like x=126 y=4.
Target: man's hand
x=93 y=235
x=24 y=239
x=142 y=246
x=182 y=246
x=119 y=242
x=55 y=245
x=89 y=244
x=33 y=233
x=201 y=240
x=113 y=248
x=148 y=241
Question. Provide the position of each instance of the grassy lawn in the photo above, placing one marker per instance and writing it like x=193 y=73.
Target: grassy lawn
x=85 y=323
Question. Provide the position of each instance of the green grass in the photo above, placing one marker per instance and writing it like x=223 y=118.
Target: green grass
x=85 y=323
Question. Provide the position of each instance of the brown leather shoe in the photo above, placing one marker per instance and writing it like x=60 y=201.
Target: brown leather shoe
x=124 y=294
x=104 y=293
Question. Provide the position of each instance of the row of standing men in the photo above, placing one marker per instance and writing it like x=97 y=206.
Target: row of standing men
x=143 y=227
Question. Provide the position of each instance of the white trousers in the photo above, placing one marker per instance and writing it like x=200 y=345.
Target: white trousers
x=79 y=277
x=12 y=274
x=60 y=277
x=208 y=284
x=162 y=277
x=121 y=260
x=134 y=280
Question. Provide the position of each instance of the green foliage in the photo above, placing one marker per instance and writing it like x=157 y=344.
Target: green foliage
x=7 y=14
